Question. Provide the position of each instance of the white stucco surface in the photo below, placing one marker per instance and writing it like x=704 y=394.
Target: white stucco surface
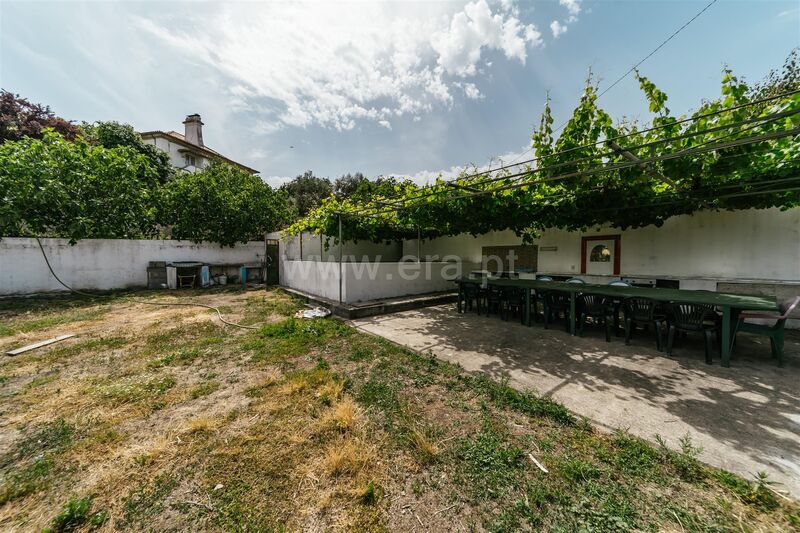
x=389 y=280
x=363 y=281
x=320 y=278
x=177 y=154
x=321 y=248
x=754 y=244
x=465 y=246
x=103 y=263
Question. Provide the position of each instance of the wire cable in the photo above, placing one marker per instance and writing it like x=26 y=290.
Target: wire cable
x=637 y=65
x=137 y=300
x=700 y=149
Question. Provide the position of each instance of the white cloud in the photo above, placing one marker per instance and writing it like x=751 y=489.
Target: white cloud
x=573 y=6
x=472 y=92
x=335 y=65
x=276 y=181
x=429 y=176
x=557 y=28
x=573 y=9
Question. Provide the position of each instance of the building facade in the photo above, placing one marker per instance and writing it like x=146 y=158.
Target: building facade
x=187 y=151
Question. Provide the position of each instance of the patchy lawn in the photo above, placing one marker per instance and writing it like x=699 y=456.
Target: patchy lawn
x=159 y=418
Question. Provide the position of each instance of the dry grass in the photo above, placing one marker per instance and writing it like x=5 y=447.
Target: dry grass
x=347 y=456
x=161 y=419
x=202 y=424
x=427 y=449
x=345 y=415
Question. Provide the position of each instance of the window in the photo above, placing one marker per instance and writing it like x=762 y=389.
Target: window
x=600 y=254
x=188 y=160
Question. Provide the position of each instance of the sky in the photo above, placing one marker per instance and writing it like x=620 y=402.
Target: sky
x=410 y=89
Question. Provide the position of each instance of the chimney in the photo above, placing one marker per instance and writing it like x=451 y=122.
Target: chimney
x=194 y=129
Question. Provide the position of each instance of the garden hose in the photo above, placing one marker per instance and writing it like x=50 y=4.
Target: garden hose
x=138 y=300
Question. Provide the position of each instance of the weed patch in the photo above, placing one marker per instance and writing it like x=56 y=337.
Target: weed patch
x=525 y=402
x=49 y=437
x=633 y=456
x=135 y=389
x=27 y=325
x=204 y=389
x=25 y=480
x=77 y=514
x=490 y=466
x=42 y=380
x=147 y=500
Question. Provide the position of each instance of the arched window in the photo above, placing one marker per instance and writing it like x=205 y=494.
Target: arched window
x=600 y=254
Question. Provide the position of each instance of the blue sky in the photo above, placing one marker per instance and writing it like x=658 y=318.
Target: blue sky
x=400 y=88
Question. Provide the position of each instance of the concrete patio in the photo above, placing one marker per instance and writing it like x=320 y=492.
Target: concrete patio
x=746 y=418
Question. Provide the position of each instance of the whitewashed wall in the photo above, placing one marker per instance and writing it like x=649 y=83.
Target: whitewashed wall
x=314 y=249
x=742 y=245
x=320 y=278
x=103 y=263
x=390 y=280
x=176 y=154
x=465 y=246
x=362 y=281
x=752 y=244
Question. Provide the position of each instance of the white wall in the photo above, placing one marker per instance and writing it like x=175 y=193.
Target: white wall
x=314 y=249
x=362 y=281
x=176 y=154
x=753 y=244
x=390 y=280
x=103 y=263
x=465 y=246
x=320 y=278
x=702 y=251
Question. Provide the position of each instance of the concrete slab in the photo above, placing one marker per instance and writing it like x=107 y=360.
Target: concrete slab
x=746 y=418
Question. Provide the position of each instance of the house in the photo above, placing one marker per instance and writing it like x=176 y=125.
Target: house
x=187 y=150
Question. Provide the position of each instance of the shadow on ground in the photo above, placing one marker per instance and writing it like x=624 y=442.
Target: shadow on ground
x=746 y=418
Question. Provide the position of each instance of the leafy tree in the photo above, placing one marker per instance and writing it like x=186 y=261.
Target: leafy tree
x=54 y=187
x=221 y=203
x=307 y=191
x=346 y=186
x=114 y=134
x=20 y=118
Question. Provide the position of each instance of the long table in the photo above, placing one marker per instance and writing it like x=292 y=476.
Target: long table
x=730 y=305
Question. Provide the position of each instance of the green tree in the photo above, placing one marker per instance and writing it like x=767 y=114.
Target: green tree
x=221 y=203
x=54 y=187
x=347 y=185
x=113 y=135
x=307 y=191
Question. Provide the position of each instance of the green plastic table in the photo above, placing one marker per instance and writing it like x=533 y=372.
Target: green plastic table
x=730 y=305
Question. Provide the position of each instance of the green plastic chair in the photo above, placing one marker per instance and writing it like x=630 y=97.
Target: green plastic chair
x=536 y=297
x=775 y=331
